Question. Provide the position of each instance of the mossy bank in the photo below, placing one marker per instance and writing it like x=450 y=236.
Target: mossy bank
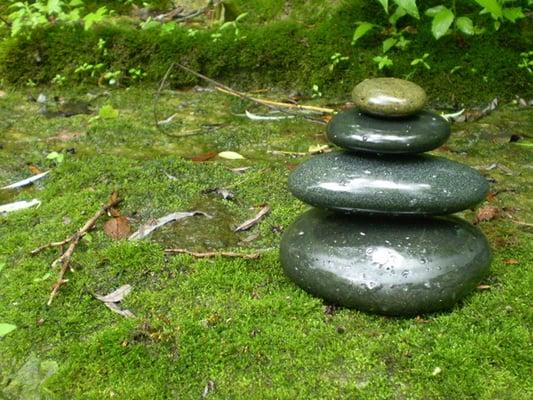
x=283 y=46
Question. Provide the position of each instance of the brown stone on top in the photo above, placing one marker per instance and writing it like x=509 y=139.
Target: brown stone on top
x=389 y=97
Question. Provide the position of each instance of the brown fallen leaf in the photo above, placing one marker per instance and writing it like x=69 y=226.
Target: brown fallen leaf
x=34 y=170
x=486 y=213
x=511 y=261
x=251 y=222
x=117 y=228
x=205 y=156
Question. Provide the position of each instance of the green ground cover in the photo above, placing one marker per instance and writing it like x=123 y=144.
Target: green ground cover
x=283 y=44
x=237 y=323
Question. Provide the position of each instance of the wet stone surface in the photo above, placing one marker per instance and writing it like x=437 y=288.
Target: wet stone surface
x=385 y=265
x=355 y=130
x=413 y=185
x=389 y=97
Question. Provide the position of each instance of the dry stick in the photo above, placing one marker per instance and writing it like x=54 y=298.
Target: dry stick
x=158 y=94
x=64 y=259
x=249 y=256
x=270 y=104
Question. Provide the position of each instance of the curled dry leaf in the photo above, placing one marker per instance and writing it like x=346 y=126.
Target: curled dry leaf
x=251 y=222
x=511 y=261
x=204 y=157
x=151 y=226
x=26 y=181
x=486 y=213
x=112 y=299
x=117 y=228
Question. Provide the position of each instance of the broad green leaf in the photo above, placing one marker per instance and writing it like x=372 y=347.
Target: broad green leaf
x=409 y=6
x=465 y=25
x=54 y=6
x=431 y=12
x=2 y=266
x=361 y=30
x=385 y=4
x=94 y=17
x=491 y=6
x=230 y=155
x=388 y=44
x=442 y=22
x=6 y=328
x=513 y=13
x=76 y=3
x=399 y=13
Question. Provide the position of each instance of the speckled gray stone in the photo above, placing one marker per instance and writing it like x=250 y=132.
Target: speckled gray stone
x=385 y=265
x=413 y=185
x=355 y=130
x=389 y=97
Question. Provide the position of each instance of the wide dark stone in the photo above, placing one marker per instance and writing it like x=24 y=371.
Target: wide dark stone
x=355 y=130
x=414 y=185
x=385 y=265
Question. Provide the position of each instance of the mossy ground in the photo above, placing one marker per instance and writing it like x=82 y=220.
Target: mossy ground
x=239 y=323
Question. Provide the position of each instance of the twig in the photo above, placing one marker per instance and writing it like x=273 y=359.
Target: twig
x=270 y=104
x=158 y=95
x=249 y=256
x=64 y=259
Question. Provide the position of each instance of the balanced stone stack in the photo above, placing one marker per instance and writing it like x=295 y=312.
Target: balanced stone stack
x=378 y=239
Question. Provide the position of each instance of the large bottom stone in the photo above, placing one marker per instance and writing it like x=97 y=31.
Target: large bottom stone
x=385 y=265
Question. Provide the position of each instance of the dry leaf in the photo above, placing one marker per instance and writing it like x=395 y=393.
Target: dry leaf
x=511 y=261
x=317 y=148
x=26 y=181
x=483 y=287
x=117 y=228
x=486 y=213
x=115 y=296
x=204 y=157
x=112 y=299
x=230 y=155
x=2 y=94
x=251 y=222
x=34 y=169
x=151 y=226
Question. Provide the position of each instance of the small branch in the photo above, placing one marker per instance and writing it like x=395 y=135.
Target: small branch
x=268 y=103
x=158 y=95
x=73 y=241
x=249 y=256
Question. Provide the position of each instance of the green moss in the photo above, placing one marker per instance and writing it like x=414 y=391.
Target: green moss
x=238 y=323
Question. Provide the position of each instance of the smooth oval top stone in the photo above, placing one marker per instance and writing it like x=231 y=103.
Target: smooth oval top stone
x=413 y=185
x=355 y=130
x=389 y=97
x=385 y=265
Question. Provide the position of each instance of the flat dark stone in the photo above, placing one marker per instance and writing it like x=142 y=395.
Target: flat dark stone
x=385 y=265
x=355 y=130
x=414 y=185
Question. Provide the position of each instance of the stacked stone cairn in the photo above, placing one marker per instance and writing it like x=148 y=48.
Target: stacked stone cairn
x=380 y=238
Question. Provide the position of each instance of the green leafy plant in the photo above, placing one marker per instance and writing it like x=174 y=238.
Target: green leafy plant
x=383 y=62
x=26 y=16
x=55 y=157
x=136 y=74
x=59 y=80
x=444 y=20
x=527 y=62
x=316 y=92
x=336 y=58
x=108 y=112
x=231 y=26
